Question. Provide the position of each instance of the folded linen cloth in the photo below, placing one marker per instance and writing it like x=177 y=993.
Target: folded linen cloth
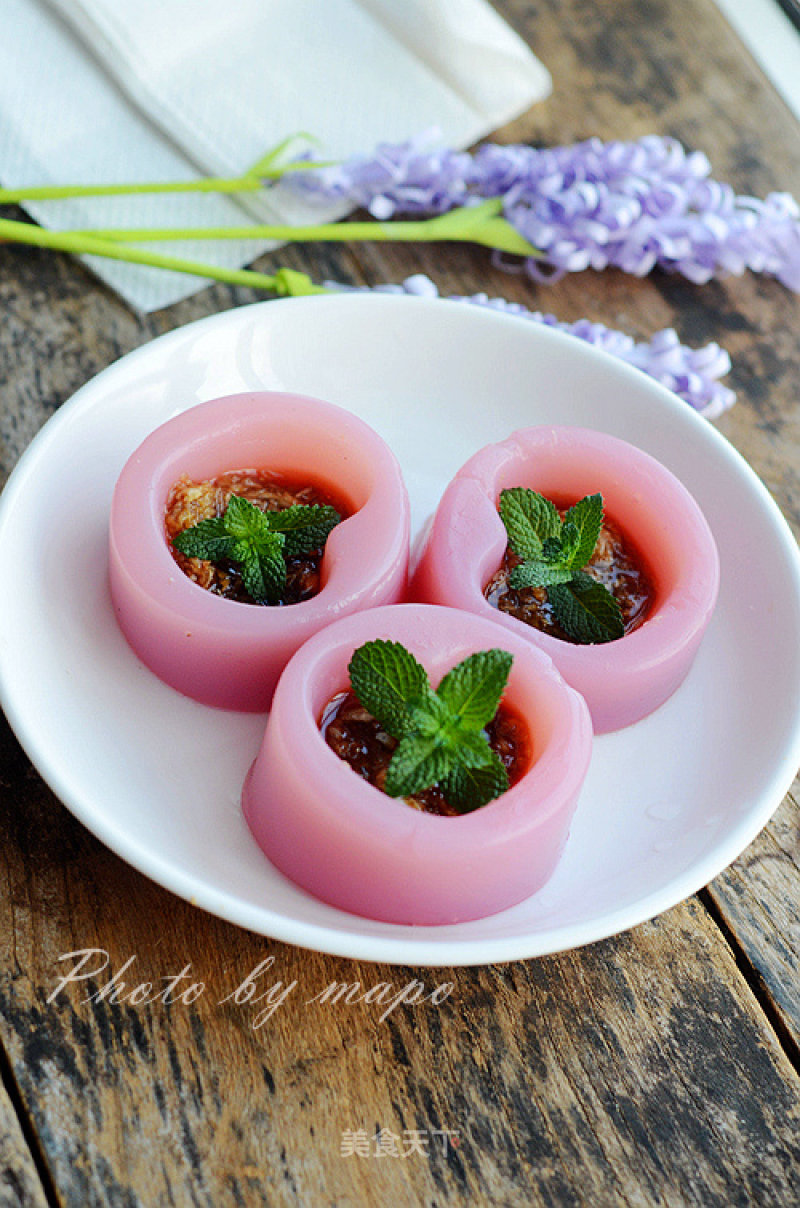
x=126 y=90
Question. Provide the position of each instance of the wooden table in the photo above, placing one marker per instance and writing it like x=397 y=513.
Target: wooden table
x=657 y=1067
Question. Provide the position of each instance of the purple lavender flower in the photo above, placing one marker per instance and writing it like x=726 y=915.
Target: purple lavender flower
x=629 y=205
x=396 y=178
x=690 y=373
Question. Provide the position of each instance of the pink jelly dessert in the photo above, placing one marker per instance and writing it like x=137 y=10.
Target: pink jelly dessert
x=226 y=652
x=622 y=680
x=349 y=844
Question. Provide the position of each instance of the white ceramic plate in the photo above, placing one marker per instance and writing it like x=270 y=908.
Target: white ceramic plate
x=668 y=803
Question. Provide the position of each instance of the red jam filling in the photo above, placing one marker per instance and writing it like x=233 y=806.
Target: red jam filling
x=357 y=738
x=615 y=563
x=190 y=502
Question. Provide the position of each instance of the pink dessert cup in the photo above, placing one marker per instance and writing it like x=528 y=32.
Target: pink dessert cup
x=625 y=680
x=346 y=842
x=222 y=652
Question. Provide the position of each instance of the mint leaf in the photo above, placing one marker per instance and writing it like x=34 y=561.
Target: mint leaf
x=306 y=527
x=428 y=715
x=259 y=542
x=553 y=550
x=473 y=750
x=472 y=690
x=386 y=677
x=529 y=520
x=255 y=549
x=417 y=763
x=586 y=520
x=586 y=610
x=206 y=539
x=263 y=569
x=568 y=545
x=537 y=574
x=244 y=521
x=441 y=734
x=474 y=787
x=535 y=530
x=554 y=559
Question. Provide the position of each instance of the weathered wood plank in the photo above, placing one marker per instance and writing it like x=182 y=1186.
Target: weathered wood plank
x=20 y=1184
x=758 y=898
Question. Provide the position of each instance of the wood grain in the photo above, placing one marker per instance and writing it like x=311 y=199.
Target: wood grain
x=758 y=901
x=656 y=1068
x=19 y=1179
x=640 y=1070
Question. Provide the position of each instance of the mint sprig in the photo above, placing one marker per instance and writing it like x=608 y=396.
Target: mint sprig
x=441 y=739
x=258 y=543
x=554 y=553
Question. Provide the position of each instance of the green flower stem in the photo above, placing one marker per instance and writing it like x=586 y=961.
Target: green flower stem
x=285 y=281
x=500 y=234
x=267 y=168
x=472 y=224
x=237 y=184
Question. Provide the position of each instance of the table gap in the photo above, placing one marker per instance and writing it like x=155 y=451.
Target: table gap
x=29 y=1132
x=758 y=987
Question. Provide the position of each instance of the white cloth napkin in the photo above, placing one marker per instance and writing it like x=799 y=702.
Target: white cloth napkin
x=127 y=90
